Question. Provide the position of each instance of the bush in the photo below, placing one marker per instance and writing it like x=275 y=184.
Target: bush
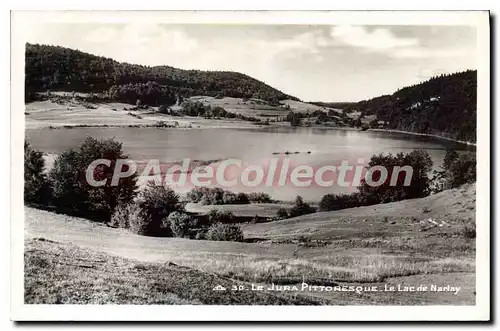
x=242 y=199
x=200 y=235
x=180 y=224
x=331 y=202
x=156 y=204
x=133 y=218
x=468 y=231
x=259 y=197
x=122 y=214
x=418 y=160
x=215 y=196
x=461 y=171
x=196 y=194
x=282 y=213
x=36 y=186
x=293 y=118
x=229 y=198
x=207 y=195
x=300 y=208
x=220 y=216
x=164 y=109
x=224 y=232
x=456 y=170
x=71 y=191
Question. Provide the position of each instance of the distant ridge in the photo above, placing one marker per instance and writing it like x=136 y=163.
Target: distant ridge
x=60 y=68
x=444 y=105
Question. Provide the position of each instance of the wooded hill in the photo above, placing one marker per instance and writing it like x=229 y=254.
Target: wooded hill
x=443 y=105
x=59 y=68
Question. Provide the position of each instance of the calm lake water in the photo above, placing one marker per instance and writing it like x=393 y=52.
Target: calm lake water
x=252 y=146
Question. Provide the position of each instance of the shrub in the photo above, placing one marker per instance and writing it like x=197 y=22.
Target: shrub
x=121 y=216
x=418 y=187
x=220 y=216
x=468 y=231
x=36 y=186
x=133 y=218
x=215 y=196
x=259 y=197
x=282 y=213
x=156 y=204
x=200 y=235
x=207 y=195
x=456 y=170
x=164 y=109
x=331 y=202
x=229 y=198
x=242 y=199
x=300 y=208
x=196 y=194
x=139 y=222
x=293 y=118
x=71 y=191
x=461 y=171
x=180 y=224
x=224 y=232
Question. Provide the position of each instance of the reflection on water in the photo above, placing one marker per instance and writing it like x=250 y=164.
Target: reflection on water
x=313 y=146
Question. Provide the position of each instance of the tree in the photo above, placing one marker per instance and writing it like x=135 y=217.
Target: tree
x=220 y=216
x=331 y=202
x=444 y=105
x=157 y=203
x=219 y=112
x=62 y=68
x=224 y=232
x=300 y=208
x=180 y=224
x=419 y=186
x=450 y=156
x=293 y=118
x=282 y=213
x=456 y=170
x=36 y=186
x=72 y=193
x=462 y=170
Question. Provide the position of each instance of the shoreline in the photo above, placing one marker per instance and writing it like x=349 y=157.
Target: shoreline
x=468 y=143
x=245 y=127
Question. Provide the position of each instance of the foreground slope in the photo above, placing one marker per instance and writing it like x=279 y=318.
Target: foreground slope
x=410 y=242
x=448 y=211
x=58 y=273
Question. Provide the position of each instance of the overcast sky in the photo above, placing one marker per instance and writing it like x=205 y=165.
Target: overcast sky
x=327 y=63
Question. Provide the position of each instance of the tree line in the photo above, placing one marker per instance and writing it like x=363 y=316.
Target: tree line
x=159 y=211
x=65 y=69
x=443 y=105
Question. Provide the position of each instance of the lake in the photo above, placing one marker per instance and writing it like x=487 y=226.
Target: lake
x=252 y=146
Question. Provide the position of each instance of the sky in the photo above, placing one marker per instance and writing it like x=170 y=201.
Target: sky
x=311 y=62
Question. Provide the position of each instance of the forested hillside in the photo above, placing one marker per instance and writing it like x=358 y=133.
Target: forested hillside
x=444 y=105
x=59 y=68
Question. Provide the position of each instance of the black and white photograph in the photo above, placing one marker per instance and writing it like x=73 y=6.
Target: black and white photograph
x=208 y=160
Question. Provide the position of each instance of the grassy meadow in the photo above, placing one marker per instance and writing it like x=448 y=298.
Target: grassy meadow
x=333 y=250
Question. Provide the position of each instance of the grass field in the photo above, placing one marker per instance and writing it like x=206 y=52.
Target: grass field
x=42 y=114
x=396 y=244
x=455 y=208
x=65 y=274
